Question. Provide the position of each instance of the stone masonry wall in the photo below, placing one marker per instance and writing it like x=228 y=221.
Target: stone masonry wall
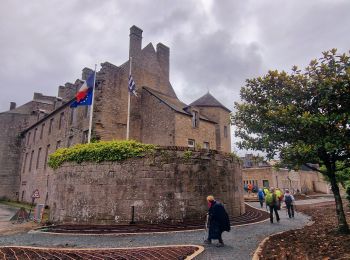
x=10 y=148
x=222 y=117
x=184 y=131
x=157 y=122
x=163 y=187
x=41 y=140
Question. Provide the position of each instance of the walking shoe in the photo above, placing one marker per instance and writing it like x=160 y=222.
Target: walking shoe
x=207 y=242
x=220 y=245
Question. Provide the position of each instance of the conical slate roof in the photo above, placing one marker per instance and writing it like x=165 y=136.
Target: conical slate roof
x=208 y=101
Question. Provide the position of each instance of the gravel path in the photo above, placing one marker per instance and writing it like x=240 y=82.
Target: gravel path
x=241 y=242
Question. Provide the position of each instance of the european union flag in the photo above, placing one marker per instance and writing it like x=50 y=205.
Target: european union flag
x=84 y=95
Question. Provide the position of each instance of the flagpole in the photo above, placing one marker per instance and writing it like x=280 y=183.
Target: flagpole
x=128 y=119
x=92 y=106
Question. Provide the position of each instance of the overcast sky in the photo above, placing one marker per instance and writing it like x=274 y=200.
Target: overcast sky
x=214 y=45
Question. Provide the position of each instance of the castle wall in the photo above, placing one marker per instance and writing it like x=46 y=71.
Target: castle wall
x=35 y=174
x=184 y=130
x=10 y=147
x=158 y=121
x=111 y=102
x=164 y=187
x=222 y=117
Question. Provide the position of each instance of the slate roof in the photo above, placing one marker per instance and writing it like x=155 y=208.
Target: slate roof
x=208 y=101
x=173 y=103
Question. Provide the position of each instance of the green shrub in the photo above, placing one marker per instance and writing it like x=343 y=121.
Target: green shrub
x=187 y=155
x=98 y=152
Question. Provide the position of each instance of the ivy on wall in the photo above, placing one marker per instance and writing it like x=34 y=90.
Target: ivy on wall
x=98 y=152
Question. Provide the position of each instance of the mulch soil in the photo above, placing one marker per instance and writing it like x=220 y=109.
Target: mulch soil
x=317 y=241
x=166 y=253
x=251 y=215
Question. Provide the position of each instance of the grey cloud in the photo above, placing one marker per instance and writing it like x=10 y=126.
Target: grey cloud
x=216 y=63
x=46 y=43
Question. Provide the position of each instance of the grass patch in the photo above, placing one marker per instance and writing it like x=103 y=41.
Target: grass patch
x=17 y=204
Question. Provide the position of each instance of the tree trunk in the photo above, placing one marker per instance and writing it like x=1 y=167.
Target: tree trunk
x=342 y=224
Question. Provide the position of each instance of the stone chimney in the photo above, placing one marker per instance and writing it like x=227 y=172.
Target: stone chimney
x=163 y=54
x=135 y=41
x=12 y=105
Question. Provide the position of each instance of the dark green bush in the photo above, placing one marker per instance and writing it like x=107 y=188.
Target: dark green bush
x=98 y=152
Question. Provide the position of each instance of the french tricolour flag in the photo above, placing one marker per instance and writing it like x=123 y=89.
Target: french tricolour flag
x=84 y=95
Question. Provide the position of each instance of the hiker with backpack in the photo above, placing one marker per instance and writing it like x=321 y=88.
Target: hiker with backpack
x=289 y=200
x=280 y=197
x=218 y=221
x=272 y=201
x=261 y=197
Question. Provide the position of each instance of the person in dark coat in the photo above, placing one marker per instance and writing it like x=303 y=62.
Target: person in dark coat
x=218 y=221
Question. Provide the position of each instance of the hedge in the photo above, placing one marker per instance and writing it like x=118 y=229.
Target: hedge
x=98 y=152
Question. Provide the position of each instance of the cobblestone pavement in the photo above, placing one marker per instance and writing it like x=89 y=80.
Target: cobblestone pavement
x=241 y=242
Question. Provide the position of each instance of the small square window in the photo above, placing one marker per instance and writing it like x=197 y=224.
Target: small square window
x=191 y=143
x=58 y=144
x=206 y=145
x=85 y=136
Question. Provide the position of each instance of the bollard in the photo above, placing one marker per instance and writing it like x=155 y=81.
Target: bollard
x=132 y=215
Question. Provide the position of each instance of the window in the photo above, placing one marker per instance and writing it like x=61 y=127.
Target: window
x=266 y=183
x=206 y=145
x=86 y=111
x=85 y=136
x=38 y=158
x=34 y=136
x=25 y=163
x=31 y=160
x=46 y=155
x=72 y=118
x=58 y=144
x=70 y=140
x=191 y=143
x=195 y=118
x=60 y=123
x=28 y=137
x=225 y=131
x=42 y=131
x=51 y=125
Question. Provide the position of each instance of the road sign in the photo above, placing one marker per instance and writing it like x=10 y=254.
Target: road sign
x=36 y=194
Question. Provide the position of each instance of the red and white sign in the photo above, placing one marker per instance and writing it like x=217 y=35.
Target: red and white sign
x=36 y=194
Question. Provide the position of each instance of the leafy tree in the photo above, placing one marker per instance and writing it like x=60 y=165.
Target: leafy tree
x=302 y=116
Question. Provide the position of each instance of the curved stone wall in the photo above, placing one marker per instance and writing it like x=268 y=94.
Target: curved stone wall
x=167 y=186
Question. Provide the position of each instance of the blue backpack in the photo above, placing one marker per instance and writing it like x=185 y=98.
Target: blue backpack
x=288 y=199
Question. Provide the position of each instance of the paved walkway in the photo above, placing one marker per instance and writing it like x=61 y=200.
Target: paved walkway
x=6 y=213
x=241 y=242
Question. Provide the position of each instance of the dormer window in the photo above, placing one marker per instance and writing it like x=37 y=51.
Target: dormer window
x=195 y=119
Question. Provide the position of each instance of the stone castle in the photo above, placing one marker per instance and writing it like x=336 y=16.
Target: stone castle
x=29 y=133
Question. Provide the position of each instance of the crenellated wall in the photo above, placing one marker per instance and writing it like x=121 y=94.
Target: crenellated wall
x=167 y=186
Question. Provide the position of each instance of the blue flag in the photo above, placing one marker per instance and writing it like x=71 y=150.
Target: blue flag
x=84 y=95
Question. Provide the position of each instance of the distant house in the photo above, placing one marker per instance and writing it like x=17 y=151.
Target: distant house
x=264 y=174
